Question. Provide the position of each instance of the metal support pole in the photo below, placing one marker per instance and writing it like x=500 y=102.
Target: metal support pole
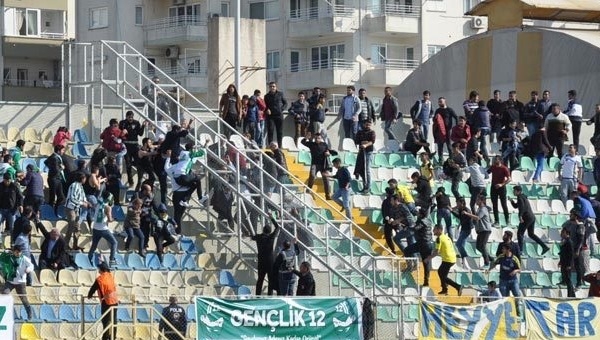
x=237 y=44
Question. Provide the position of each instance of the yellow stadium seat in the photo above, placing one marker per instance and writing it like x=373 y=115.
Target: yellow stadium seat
x=48 y=278
x=14 y=134
x=50 y=331
x=47 y=135
x=70 y=331
x=46 y=149
x=31 y=135
x=67 y=277
x=29 y=332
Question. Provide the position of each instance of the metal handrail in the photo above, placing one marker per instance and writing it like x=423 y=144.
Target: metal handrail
x=311 y=13
x=122 y=88
x=397 y=64
x=395 y=10
x=175 y=21
x=325 y=64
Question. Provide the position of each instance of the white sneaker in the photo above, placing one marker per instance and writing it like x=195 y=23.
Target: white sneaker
x=184 y=204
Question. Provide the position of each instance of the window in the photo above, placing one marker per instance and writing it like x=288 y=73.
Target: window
x=273 y=60
x=410 y=53
x=433 y=49
x=22 y=76
x=378 y=54
x=469 y=4
x=322 y=57
x=139 y=15
x=224 y=9
x=264 y=10
x=183 y=15
x=33 y=22
x=98 y=17
x=313 y=11
x=294 y=61
x=295 y=9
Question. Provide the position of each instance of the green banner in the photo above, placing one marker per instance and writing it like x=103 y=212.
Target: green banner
x=279 y=318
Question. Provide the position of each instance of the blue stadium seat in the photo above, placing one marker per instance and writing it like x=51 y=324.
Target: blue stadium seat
x=79 y=151
x=153 y=262
x=123 y=315
x=170 y=262
x=136 y=262
x=188 y=245
x=244 y=291
x=47 y=213
x=82 y=262
x=89 y=313
x=188 y=262
x=121 y=263
x=227 y=279
x=142 y=315
x=47 y=314
x=80 y=136
x=69 y=313
x=157 y=312
x=118 y=213
x=191 y=313
x=24 y=162
x=41 y=165
x=35 y=313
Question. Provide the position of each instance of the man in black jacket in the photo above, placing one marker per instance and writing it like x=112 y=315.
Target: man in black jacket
x=566 y=261
x=507 y=240
x=526 y=219
x=424 y=244
x=423 y=189
x=367 y=110
x=11 y=202
x=53 y=254
x=173 y=140
x=365 y=139
x=264 y=249
x=132 y=129
x=276 y=104
x=175 y=315
x=306 y=281
x=319 y=153
x=56 y=178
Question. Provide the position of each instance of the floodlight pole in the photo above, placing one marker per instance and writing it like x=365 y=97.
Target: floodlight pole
x=237 y=44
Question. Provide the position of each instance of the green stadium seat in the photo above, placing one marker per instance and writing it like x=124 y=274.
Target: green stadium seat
x=560 y=220
x=381 y=160
x=395 y=160
x=532 y=250
x=471 y=251
x=463 y=278
x=588 y=164
x=527 y=164
x=349 y=158
x=553 y=164
x=388 y=313
x=413 y=313
x=304 y=157
x=526 y=280
x=556 y=278
x=548 y=220
x=376 y=217
x=543 y=280
x=378 y=188
x=553 y=192
x=463 y=190
x=410 y=161
x=478 y=279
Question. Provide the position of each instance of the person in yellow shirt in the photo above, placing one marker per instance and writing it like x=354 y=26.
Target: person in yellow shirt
x=426 y=168
x=445 y=249
x=405 y=193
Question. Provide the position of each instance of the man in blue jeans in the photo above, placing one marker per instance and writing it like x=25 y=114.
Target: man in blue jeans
x=342 y=195
x=102 y=215
x=11 y=202
x=349 y=110
x=285 y=264
x=510 y=266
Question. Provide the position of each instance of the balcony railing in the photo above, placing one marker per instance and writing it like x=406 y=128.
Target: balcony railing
x=175 y=21
x=395 y=10
x=397 y=64
x=31 y=83
x=48 y=35
x=178 y=71
x=313 y=13
x=326 y=64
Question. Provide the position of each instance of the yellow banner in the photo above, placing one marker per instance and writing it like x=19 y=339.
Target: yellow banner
x=493 y=320
x=562 y=319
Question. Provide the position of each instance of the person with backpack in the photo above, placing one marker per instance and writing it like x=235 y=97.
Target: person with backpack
x=102 y=215
x=285 y=264
x=316 y=113
x=422 y=111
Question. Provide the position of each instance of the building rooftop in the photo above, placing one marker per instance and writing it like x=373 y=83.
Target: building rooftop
x=557 y=10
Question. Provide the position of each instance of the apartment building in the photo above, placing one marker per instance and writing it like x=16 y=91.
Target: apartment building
x=32 y=35
x=192 y=41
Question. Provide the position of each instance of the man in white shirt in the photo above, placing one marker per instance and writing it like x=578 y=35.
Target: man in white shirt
x=575 y=113
x=21 y=267
x=570 y=172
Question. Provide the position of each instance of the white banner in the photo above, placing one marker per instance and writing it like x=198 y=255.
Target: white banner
x=7 y=318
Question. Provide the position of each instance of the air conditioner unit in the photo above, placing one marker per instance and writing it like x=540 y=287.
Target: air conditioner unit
x=477 y=23
x=172 y=52
x=178 y=2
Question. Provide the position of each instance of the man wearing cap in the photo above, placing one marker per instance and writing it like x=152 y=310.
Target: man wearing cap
x=107 y=292
x=11 y=202
x=132 y=129
x=174 y=314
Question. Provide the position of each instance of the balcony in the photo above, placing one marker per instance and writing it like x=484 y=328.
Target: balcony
x=390 y=72
x=31 y=26
x=393 y=20
x=193 y=79
x=325 y=73
x=30 y=90
x=175 y=30
x=322 y=21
